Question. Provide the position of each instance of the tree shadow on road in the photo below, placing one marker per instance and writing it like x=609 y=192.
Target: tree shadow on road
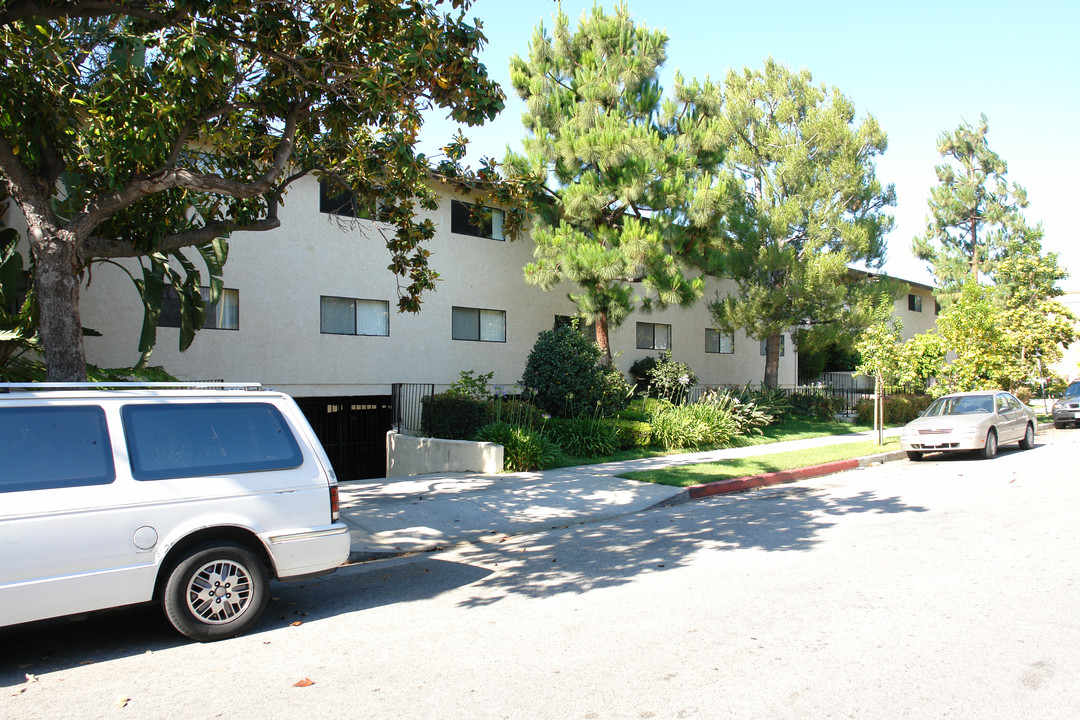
x=588 y=557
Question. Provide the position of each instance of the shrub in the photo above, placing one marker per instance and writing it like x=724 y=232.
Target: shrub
x=899 y=409
x=582 y=436
x=640 y=373
x=523 y=449
x=565 y=376
x=515 y=411
x=771 y=401
x=692 y=425
x=453 y=417
x=470 y=385
x=630 y=434
x=747 y=416
x=670 y=379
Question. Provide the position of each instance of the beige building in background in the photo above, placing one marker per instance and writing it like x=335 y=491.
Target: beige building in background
x=285 y=320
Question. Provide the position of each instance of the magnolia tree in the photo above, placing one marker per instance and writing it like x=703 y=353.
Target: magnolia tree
x=142 y=129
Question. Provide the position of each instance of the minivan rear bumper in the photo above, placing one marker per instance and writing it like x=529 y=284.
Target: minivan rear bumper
x=308 y=551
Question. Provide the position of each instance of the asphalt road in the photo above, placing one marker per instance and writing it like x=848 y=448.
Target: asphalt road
x=943 y=589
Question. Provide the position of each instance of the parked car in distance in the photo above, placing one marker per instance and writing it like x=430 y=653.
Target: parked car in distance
x=970 y=421
x=192 y=497
x=1066 y=410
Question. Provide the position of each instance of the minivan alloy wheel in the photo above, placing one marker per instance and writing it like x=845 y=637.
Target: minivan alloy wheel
x=219 y=591
x=216 y=591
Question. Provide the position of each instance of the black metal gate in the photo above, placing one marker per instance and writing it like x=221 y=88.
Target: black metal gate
x=353 y=432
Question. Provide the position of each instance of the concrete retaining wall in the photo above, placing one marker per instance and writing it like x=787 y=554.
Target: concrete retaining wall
x=408 y=455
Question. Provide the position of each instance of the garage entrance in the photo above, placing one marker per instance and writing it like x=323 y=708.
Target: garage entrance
x=353 y=432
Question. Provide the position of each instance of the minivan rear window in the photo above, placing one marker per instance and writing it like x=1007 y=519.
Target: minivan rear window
x=195 y=439
x=54 y=446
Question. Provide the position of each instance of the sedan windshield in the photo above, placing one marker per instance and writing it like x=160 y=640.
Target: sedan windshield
x=964 y=405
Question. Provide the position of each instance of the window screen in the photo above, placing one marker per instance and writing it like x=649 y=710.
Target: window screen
x=193 y=439
x=54 y=447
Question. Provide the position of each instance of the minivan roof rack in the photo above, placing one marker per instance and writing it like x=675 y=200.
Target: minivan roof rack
x=129 y=385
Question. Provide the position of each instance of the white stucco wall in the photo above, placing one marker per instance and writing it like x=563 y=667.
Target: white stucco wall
x=280 y=276
x=916 y=323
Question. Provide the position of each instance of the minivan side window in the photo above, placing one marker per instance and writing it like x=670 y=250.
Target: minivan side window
x=194 y=439
x=55 y=446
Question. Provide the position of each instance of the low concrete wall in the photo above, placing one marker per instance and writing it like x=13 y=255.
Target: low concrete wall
x=408 y=455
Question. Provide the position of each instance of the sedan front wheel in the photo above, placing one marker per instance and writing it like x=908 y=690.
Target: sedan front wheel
x=991 y=447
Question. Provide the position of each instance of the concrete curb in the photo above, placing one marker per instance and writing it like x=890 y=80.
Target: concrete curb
x=750 y=482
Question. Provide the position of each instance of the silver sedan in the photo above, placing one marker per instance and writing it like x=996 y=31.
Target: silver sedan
x=970 y=421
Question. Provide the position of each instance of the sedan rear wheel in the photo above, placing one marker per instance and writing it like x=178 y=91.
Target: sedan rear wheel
x=991 y=447
x=1028 y=441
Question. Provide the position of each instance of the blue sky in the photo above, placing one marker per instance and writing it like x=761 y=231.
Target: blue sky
x=919 y=67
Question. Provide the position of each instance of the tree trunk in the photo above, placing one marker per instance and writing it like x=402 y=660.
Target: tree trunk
x=57 y=289
x=602 y=338
x=772 y=361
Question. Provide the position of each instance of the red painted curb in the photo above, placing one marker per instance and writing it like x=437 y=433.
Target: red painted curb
x=723 y=487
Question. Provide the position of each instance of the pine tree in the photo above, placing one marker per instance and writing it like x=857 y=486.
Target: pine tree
x=638 y=191
x=811 y=207
x=974 y=212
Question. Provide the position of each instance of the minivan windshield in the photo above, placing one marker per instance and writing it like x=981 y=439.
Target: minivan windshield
x=962 y=405
x=1073 y=390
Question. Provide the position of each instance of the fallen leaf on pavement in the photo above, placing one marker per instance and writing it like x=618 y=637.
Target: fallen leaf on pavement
x=122 y=701
x=30 y=677
x=306 y=682
x=298 y=622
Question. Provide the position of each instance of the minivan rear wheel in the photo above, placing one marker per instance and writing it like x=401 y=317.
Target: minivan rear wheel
x=216 y=591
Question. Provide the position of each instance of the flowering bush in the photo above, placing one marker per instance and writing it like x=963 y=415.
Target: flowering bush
x=670 y=379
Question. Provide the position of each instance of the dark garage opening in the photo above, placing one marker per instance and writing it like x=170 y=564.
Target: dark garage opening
x=353 y=432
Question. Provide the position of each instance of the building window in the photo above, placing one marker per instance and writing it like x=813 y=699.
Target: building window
x=586 y=329
x=653 y=336
x=334 y=201
x=914 y=303
x=479 y=325
x=719 y=342
x=782 y=337
x=346 y=316
x=461 y=221
x=221 y=315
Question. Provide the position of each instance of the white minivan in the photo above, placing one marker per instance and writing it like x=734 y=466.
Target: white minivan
x=191 y=495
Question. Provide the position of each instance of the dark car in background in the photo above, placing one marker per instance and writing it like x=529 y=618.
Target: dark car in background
x=1066 y=410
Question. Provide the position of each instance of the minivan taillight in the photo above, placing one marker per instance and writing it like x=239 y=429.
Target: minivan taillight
x=334 y=503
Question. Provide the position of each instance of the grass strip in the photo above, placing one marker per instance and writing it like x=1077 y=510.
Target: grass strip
x=689 y=475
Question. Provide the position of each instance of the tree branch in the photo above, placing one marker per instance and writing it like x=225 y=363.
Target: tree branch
x=83 y=9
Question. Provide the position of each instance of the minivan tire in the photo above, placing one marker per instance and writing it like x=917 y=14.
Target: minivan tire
x=216 y=591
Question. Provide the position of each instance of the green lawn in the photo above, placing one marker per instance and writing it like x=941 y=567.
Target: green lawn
x=689 y=475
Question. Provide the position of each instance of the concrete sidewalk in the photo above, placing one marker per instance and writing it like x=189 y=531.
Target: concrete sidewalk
x=396 y=516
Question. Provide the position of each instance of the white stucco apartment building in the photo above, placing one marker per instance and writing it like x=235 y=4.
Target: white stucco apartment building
x=310 y=309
